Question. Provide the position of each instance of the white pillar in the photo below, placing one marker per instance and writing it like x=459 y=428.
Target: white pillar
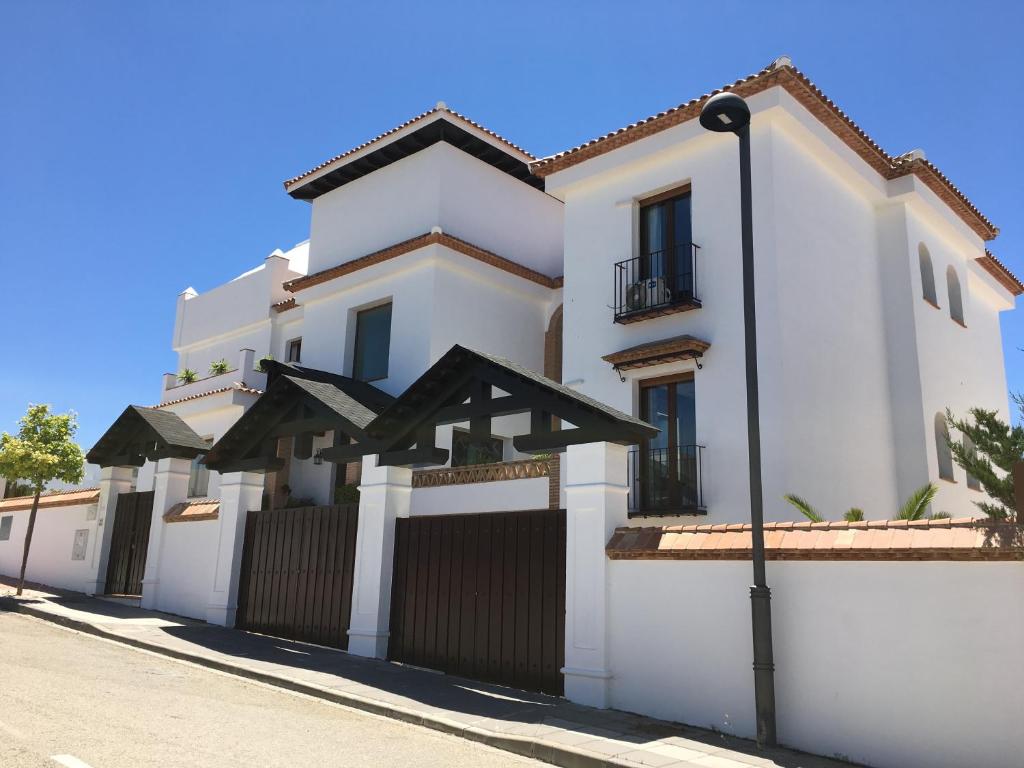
x=170 y=486
x=595 y=494
x=384 y=496
x=113 y=482
x=239 y=493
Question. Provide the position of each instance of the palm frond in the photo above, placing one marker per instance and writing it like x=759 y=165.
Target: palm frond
x=917 y=503
x=853 y=515
x=804 y=507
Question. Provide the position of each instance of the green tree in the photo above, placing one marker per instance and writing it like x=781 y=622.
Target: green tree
x=990 y=452
x=43 y=450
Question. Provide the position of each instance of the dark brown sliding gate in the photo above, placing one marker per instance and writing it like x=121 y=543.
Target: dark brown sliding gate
x=128 y=543
x=296 y=577
x=482 y=596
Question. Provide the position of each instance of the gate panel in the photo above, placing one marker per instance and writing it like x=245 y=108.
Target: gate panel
x=297 y=570
x=482 y=596
x=129 y=541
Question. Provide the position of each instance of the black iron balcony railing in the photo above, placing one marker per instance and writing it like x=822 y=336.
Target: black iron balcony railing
x=656 y=283
x=666 y=481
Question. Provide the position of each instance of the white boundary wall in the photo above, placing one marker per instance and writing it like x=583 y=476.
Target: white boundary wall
x=188 y=560
x=49 y=559
x=891 y=664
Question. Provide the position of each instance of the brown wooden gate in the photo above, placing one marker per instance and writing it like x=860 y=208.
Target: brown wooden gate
x=482 y=596
x=296 y=577
x=129 y=540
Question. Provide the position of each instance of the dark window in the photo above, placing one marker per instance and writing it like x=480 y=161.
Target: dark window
x=294 y=351
x=373 y=343
x=667 y=467
x=956 y=302
x=198 y=479
x=466 y=451
x=666 y=237
x=5 y=527
x=942 y=449
x=927 y=275
x=972 y=482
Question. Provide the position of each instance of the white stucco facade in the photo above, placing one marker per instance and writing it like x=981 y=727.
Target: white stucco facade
x=473 y=246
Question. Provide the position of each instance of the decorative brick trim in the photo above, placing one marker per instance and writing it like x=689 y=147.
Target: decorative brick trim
x=961 y=539
x=284 y=306
x=482 y=473
x=414 y=244
x=1001 y=273
x=554 y=482
x=657 y=352
x=193 y=511
x=784 y=74
x=69 y=498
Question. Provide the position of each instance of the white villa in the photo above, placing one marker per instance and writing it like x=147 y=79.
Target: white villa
x=527 y=375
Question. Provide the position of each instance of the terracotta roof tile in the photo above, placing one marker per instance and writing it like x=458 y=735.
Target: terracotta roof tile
x=782 y=73
x=413 y=244
x=422 y=116
x=193 y=510
x=67 y=498
x=942 y=539
x=238 y=386
x=1001 y=273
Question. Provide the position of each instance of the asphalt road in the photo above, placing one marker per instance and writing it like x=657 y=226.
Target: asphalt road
x=82 y=702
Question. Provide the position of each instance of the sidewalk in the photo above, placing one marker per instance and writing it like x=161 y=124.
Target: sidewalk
x=538 y=726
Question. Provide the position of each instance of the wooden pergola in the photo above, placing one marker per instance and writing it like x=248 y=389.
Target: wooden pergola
x=146 y=434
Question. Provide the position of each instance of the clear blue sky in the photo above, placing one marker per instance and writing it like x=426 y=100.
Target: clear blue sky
x=143 y=144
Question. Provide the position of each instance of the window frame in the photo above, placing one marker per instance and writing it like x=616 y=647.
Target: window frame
x=924 y=258
x=492 y=437
x=956 y=305
x=289 y=346
x=195 y=470
x=359 y=314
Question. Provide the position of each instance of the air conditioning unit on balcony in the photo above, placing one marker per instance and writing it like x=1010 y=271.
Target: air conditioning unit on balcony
x=651 y=292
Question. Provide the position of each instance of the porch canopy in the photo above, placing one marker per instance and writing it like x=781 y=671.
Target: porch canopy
x=140 y=434
x=298 y=402
x=460 y=387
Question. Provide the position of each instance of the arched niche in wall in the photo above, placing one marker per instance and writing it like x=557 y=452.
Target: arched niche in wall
x=956 y=301
x=942 y=450
x=553 y=347
x=927 y=275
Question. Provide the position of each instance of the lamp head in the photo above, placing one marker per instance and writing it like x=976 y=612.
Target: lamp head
x=725 y=113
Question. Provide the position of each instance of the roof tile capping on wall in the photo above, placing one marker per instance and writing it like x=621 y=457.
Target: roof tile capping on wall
x=68 y=498
x=940 y=539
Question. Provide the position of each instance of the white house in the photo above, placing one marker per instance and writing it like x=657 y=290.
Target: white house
x=480 y=341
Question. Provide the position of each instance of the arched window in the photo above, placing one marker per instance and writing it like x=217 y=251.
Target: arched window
x=927 y=275
x=971 y=450
x=553 y=346
x=942 y=447
x=956 y=302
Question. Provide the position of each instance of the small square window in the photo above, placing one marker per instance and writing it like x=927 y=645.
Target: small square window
x=5 y=527
x=467 y=452
x=293 y=354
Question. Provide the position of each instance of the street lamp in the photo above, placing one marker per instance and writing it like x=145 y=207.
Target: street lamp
x=729 y=113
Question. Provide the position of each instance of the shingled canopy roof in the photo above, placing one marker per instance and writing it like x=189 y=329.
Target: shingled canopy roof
x=460 y=387
x=140 y=434
x=300 y=403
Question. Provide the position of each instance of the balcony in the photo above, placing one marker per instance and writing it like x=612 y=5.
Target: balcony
x=666 y=481
x=657 y=283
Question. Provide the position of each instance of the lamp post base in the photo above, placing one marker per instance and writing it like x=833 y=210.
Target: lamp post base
x=764 y=664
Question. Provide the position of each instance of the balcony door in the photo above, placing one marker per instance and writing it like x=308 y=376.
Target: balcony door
x=666 y=237
x=667 y=464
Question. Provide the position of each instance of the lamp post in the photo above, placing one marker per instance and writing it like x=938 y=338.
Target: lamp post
x=729 y=113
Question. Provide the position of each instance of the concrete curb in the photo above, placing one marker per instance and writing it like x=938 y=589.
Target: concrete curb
x=538 y=749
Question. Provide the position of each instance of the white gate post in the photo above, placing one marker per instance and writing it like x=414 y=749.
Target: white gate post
x=113 y=482
x=384 y=496
x=239 y=492
x=596 y=490
x=170 y=485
